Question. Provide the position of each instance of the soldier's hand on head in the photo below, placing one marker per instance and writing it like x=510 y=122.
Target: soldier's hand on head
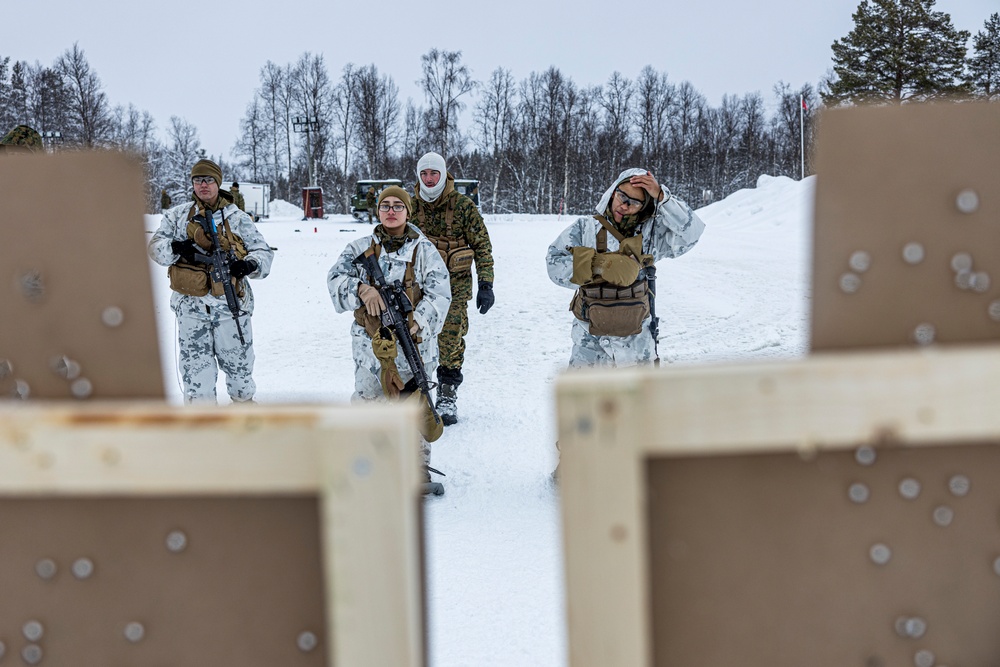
x=371 y=298
x=485 y=298
x=648 y=183
x=242 y=267
x=185 y=249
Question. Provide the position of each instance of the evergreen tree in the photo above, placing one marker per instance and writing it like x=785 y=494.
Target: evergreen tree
x=899 y=51
x=984 y=65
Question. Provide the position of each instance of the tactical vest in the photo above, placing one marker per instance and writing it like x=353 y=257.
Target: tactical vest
x=372 y=323
x=195 y=278
x=455 y=251
x=611 y=310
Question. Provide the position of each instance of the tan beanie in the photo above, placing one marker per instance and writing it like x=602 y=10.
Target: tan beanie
x=205 y=167
x=396 y=191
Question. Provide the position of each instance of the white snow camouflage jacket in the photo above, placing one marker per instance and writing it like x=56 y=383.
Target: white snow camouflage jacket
x=429 y=271
x=672 y=231
x=173 y=227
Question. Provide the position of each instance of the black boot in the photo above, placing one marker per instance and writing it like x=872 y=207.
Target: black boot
x=447 y=394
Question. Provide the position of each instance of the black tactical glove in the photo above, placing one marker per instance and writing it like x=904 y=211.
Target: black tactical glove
x=186 y=249
x=485 y=298
x=242 y=267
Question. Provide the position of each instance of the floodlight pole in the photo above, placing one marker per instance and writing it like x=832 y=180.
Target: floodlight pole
x=50 y=137
x=305 y=124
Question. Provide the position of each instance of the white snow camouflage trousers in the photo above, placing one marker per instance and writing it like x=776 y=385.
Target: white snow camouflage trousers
x=208 y=343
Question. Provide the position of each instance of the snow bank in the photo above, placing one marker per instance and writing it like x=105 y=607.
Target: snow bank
x=282 y=209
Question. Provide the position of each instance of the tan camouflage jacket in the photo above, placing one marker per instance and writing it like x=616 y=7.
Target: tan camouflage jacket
x=468 y=223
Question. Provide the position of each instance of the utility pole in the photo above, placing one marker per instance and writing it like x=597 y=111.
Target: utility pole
x=802 y=135
x=306 y=125
x=50 y=137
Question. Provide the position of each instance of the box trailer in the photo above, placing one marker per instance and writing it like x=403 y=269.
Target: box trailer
x=257 y=197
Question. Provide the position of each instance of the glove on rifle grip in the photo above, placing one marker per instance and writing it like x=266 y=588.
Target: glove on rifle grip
x=185 y=249
x=242 y=267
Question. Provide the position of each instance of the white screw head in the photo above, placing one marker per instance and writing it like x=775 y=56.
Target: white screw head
x=913 y=253
x=967 y=201
x=880 y=554
x=850 y=283
x=860 y=261
x=112 y=316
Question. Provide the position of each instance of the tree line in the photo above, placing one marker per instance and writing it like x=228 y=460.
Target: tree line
x=544 y=144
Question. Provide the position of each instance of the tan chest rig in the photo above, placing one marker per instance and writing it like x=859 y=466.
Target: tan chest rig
x=455 y=251
x=195 y=279
x=611 y=310
x=371 y=323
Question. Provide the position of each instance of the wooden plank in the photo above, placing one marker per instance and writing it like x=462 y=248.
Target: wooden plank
x=360 y=464
x=905 y=243
x=737 y=478
x=75 y=291
x=604 y=529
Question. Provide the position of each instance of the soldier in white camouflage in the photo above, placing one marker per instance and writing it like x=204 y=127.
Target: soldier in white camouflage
x=207 y=332
x=604 y=258
x=453 y=223
x=404 y=254
x=607 y=258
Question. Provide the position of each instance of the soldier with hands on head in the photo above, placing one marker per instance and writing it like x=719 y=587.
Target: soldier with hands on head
x=164 y=200
x=607 y=259
x=209 y=334
x=405 y=255
x=453 y=223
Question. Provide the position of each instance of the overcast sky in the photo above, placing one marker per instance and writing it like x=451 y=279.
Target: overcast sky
x=202 y=62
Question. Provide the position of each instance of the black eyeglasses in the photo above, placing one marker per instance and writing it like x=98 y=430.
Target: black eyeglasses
x=200 y=180
x=628 y=201
x=385 y=208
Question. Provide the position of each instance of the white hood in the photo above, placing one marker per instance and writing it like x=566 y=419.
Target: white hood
x=602 y=205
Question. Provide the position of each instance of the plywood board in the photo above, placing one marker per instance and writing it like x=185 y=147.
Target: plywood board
x=76 y=306
x=906 y=246
x=299 y=530
x=714 y=515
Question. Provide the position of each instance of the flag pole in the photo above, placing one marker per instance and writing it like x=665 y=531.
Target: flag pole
x=802 y=136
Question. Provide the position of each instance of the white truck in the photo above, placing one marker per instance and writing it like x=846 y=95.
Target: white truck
x=257 y=197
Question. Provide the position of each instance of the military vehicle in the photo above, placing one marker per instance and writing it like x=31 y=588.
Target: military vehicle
x=468 y=187
x=359 y=201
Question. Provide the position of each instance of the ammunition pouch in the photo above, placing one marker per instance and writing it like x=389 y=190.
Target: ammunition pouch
x=611 y=310
x=194 y=279
x=456 y=253
x=189 y=279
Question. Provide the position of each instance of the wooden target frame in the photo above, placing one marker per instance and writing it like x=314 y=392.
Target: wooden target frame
x=143 y=534
x=906 y=243
x=842 y=509
x=75 y=293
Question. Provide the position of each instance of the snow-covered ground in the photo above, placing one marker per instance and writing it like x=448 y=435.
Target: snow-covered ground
x=494 y=558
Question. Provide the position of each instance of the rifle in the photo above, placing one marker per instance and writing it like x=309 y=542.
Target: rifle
x=394 y=324
x=654 y=321
x=219 y=261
